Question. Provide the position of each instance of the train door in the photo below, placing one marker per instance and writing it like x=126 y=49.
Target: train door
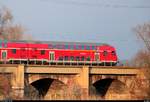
x=4 y=55
x=51 y=56
x=97 y=56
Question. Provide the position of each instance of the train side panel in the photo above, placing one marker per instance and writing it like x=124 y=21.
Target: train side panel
x=41 y=52
x=75 y=54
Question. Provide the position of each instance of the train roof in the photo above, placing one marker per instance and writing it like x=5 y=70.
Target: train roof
x=58 y=42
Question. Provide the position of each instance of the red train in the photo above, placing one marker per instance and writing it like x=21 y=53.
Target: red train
x=50 y=52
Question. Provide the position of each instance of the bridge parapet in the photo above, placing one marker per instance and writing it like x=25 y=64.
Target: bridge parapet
x=111 y=70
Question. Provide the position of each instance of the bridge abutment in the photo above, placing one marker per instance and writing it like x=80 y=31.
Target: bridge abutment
x=18 y=82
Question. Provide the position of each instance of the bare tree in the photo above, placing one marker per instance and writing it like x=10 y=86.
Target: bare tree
x=27 y=37
x=8 y=30
x=143 y=32
x=142 y=58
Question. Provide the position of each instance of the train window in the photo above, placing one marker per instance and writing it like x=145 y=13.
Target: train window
x=72 y=58
x=57 y=46
x=49 y=46
x=77 y=47
x=87 y=47
x=71 y=46
x=93 y=47
x=3 y=55
x=60 y=58
x=74 y=47
x=105 y=53
x=42 y=52
x=14 y=51
x=63 y=46
x=0 y=43
x=66 y=58
x=82 y=47
x=77 y=58
x=5 y=43
x=60 y=46
x=88 y=58
x=82 y=58
x=113 y=53
x=54 y=46
x=66 y=47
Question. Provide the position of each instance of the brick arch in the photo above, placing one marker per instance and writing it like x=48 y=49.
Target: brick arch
x=128 y=83
x=96 y=78
x=103 y=85
x=131 y=82
x=118 y=90
x=43 y=85
x=114 y=79
x=33 y=78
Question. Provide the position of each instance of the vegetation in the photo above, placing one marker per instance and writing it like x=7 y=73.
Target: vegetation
x=142 y=58
x=9 y=30
x=5 y=86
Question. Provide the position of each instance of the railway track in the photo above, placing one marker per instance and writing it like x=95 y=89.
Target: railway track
x=69 y=66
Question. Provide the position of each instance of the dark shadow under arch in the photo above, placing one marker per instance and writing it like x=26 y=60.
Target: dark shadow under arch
x=102 y=86
x=42 y=85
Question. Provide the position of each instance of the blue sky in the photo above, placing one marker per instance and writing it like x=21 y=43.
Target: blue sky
x=106 y=21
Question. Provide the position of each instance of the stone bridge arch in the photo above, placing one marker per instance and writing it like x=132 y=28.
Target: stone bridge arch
x=106 y=85
x=36 y=81
x=101 y=86
x=62 y=78
x=128 y=80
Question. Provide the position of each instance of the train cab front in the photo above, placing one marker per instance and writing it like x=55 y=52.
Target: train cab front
x=108 y=55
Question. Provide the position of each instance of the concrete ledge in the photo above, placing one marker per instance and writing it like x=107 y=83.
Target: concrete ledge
x=125 y=71
x=71 y=69
x=53 y=70
x=7 y=69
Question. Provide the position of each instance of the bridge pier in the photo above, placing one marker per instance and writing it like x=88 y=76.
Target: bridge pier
x=18 y=82
x=83 y=81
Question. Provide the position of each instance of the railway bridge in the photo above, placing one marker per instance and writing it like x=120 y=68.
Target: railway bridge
x=80 y=79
